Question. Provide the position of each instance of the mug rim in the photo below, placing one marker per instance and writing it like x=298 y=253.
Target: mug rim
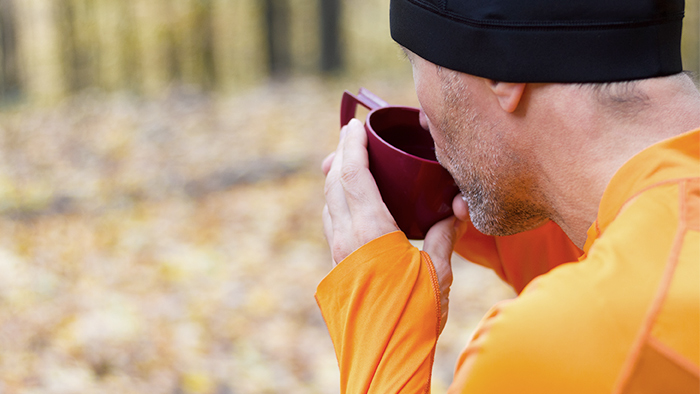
x=371 y=130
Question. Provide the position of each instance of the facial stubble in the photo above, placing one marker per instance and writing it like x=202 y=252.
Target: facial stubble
x=493 y=177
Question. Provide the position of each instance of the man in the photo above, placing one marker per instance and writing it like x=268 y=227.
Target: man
x=575 y=140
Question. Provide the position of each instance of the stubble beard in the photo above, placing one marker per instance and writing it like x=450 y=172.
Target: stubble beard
x=489 y=174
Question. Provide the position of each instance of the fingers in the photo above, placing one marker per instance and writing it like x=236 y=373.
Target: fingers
x=460 y=208
x=439 y=244
x=441 y=238
x=354 y=213
x=361 y=193
x=328 y=229
x=326 y=164
x=336 y=209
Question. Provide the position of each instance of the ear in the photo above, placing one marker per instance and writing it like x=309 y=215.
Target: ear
x=507 y=93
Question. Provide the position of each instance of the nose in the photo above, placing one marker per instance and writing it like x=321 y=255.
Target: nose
x=423 y=120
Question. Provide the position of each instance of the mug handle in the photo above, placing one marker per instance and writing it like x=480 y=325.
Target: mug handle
x=348 y=106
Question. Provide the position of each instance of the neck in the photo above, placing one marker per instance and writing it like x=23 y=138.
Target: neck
x=585 y=141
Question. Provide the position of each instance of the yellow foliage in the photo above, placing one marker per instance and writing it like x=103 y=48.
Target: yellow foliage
x=173 y=245
x=197 y=383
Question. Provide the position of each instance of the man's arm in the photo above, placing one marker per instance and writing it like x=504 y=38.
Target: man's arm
x=382 y=308
x=385 y=302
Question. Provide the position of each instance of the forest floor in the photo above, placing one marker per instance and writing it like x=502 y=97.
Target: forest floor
x=174 y=244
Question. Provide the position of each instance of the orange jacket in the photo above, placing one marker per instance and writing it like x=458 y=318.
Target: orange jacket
x=625 y=318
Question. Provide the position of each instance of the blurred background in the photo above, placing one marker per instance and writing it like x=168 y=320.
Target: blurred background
x=161 y=192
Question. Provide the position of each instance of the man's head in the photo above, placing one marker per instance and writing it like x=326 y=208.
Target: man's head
x=475 y=118
x=464 y=116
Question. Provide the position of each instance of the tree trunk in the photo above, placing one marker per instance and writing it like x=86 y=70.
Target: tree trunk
x=9 y=69
x=331 y=50
x=278 y=45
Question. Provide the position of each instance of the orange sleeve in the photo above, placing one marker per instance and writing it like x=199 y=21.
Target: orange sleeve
x=382 y=308
x=519 y=258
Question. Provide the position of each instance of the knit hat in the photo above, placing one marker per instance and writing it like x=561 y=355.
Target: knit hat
x=544 y=40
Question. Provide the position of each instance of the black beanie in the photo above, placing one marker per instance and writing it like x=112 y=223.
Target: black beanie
x=544 y=40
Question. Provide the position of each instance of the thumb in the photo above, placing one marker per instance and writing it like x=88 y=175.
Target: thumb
x=441 y=238
x=439 y=244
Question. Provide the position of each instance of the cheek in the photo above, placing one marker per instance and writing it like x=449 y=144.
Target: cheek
x=427 y=89
x=442 y=150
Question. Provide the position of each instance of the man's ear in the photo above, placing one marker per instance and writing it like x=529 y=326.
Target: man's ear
x=507 y=93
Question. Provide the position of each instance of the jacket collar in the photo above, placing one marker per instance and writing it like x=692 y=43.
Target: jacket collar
x=667 y=161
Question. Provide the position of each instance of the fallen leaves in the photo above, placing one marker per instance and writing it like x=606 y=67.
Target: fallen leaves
x=169 y=246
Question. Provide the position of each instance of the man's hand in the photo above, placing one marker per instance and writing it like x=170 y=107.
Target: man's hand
x=439 y=244
x=354 y=213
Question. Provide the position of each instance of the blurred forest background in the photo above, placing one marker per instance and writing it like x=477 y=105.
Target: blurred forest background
x=161 y=192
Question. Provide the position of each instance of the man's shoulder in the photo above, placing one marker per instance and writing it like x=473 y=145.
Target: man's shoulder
x=566 y=330
x=582 y=321
x=578 y=326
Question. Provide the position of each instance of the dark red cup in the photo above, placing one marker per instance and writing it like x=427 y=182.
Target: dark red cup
x=416 y=189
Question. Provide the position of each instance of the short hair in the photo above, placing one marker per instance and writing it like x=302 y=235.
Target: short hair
x=626 y=97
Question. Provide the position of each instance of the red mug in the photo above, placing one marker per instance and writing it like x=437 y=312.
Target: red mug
x=415 y=188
